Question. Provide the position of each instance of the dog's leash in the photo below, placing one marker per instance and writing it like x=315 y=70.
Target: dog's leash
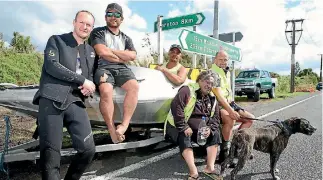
x=286 y=130
x=277 y=121
x=281 y=124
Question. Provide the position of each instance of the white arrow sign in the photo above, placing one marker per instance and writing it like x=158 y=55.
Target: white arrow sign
x=183 y=37
x=199 y=19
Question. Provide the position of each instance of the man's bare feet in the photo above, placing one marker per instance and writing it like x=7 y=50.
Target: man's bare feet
x=209 y=170
x=121 y=138
x=114 y=136
x=121 y=129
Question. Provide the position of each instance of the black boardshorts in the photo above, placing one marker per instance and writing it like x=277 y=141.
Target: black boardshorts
x=179 y=138
x=118 y=74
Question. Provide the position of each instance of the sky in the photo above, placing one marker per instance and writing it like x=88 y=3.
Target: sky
x=262 y=23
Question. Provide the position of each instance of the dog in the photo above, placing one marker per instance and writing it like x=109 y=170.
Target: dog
x=271 y=139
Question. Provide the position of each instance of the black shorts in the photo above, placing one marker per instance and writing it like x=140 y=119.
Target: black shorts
x=184 y=142
x=118 y=74
x=236 y=107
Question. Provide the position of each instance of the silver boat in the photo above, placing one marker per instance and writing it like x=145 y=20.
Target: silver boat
x=155 y=94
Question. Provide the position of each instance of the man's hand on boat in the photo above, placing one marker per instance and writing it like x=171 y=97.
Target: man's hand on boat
x=160 y=68
x=88 y=88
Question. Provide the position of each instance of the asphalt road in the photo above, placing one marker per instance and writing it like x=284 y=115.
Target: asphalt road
x=302 y=159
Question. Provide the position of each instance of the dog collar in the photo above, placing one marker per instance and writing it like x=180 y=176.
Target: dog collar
x=285 y=128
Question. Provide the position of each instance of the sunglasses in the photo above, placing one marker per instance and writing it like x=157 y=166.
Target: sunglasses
x=115 y=14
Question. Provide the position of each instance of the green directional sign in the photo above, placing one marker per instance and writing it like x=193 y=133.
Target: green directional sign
x=198 y=43
x=181 y=21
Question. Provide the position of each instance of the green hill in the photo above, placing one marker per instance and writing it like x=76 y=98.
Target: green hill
x=20 y=68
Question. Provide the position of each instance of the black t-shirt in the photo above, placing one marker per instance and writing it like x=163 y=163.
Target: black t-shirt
x=103 y=35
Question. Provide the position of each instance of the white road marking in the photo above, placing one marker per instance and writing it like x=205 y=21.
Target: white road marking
x=273 y=112
x=171 y=152
x=138 y=165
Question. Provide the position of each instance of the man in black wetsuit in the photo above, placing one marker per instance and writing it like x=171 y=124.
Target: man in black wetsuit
x=66 y=80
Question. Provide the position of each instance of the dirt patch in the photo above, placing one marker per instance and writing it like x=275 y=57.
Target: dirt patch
x=22 y=128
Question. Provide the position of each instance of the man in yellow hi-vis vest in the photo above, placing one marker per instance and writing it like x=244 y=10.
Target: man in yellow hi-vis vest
x=193 y=102
x=229 y=110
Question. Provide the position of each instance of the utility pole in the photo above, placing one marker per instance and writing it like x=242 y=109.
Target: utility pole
x=194 y=55
x=216 y=20
x=293 y=44
x=321 y=68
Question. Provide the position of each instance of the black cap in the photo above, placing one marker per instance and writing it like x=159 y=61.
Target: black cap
x=114 y=6
x=176 y=46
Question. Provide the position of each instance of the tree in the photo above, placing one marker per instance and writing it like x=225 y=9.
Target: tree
x=21 y=44
x=297 y=68
x=274 y=75
x=1 y=41
x=308 y=72
x=305 y=72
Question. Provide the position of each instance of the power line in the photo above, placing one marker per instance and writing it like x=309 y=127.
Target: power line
x=307 y=32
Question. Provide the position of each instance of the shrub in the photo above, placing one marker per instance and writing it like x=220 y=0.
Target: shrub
x=20 y=68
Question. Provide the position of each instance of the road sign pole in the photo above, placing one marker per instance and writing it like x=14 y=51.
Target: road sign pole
x=194 y=55
x=216 y=20
x=160 y=40
x=233 y=71
x=204 y=62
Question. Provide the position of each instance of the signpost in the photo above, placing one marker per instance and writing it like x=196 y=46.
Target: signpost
x=231 y=37
x=181 y=21
x=201 y=44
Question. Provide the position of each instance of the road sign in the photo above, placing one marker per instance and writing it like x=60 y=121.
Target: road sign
x=228 y=37
x=181 y=21
x=201 y=44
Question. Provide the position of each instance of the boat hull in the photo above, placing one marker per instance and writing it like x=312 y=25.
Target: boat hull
x=154 y=97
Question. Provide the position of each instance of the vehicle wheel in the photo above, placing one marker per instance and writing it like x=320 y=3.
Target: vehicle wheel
x=256 y=97
x=271 y=92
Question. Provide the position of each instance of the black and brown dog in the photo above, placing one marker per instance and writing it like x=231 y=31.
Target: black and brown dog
x=271 y=139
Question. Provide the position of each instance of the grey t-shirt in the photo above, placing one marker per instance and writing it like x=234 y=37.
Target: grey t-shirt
x=103 y=35
x=78 y=64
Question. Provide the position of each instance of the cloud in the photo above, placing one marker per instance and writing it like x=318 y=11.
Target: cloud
x=137 y=22
x=6 y=44
x=262 y=24
x=173 y=13
x=40 y=27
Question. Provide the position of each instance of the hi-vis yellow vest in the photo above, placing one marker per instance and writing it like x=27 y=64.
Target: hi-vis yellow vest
x=225 y=82
x=189 y=106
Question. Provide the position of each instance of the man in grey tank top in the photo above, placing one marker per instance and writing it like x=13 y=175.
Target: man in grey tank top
x=173 y=70
x=114 y=49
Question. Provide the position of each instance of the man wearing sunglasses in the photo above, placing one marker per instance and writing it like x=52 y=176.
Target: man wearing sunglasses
x=173 y=69
x=113 y=49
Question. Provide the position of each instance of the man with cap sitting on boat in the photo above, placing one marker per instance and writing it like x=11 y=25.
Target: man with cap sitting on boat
x=173 y=69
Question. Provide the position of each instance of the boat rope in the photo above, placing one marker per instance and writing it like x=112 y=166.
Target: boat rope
x=5 y=149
